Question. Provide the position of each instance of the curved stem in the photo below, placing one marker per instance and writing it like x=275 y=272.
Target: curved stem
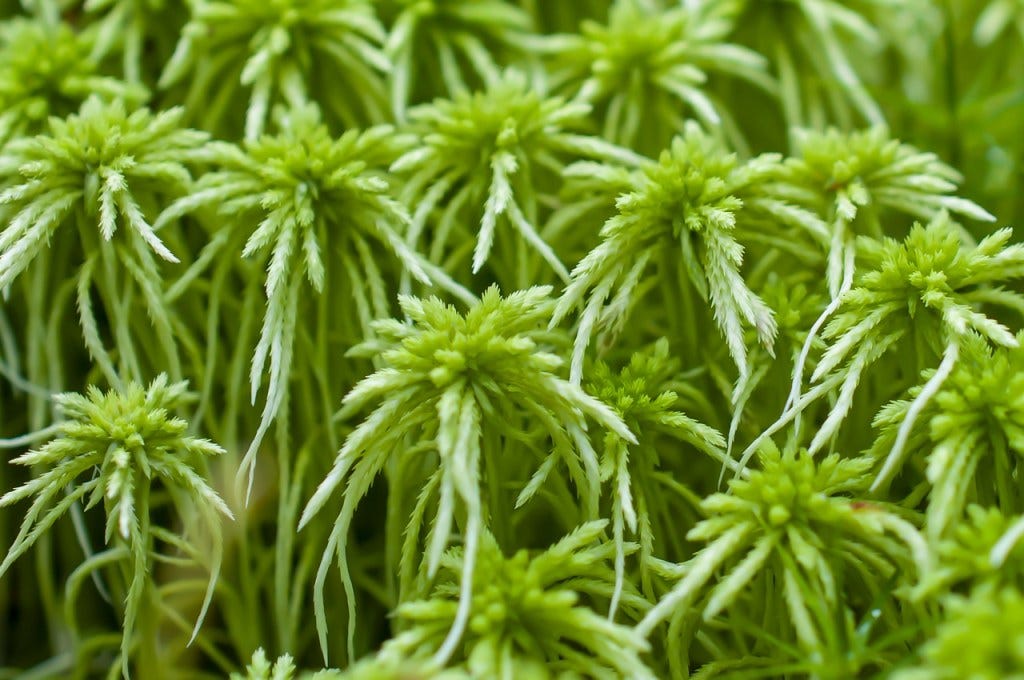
x=930 y=389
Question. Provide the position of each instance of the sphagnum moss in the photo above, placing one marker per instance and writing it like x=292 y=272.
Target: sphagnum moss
x=733 y=413
x=291 y=200
x=79 y=201
x=279 y=51
x=48 y=70
x=485 y=158
x=449 y=383
x=125 y=441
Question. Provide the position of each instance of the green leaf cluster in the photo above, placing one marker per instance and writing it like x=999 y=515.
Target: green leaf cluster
x=538 y=338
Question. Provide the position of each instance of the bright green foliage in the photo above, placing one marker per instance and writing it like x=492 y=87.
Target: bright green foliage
x=125 y=440
x=295 y=200
x=964 y=557
x=284 y=669
x=980 y=639
x=971 y=433
x=854 y=180
x=262 y=669
x=102 y=172
x=97 y=166
x=931 y=277
x=368 y=669
x=645 y=70
x=389 y=668
x=684 y=208
x=791 y=520
x=447 y=381
x=486 y=157
x=291 y=51
x=527 y=617
x=647 y=495
x=920 y=294
x=797 y=302
x=46 y=70
x=700 y=214
x=451 y=47
x=999 y=18
x=138 y=30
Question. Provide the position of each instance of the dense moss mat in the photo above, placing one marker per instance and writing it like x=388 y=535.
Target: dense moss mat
x=511 y=339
